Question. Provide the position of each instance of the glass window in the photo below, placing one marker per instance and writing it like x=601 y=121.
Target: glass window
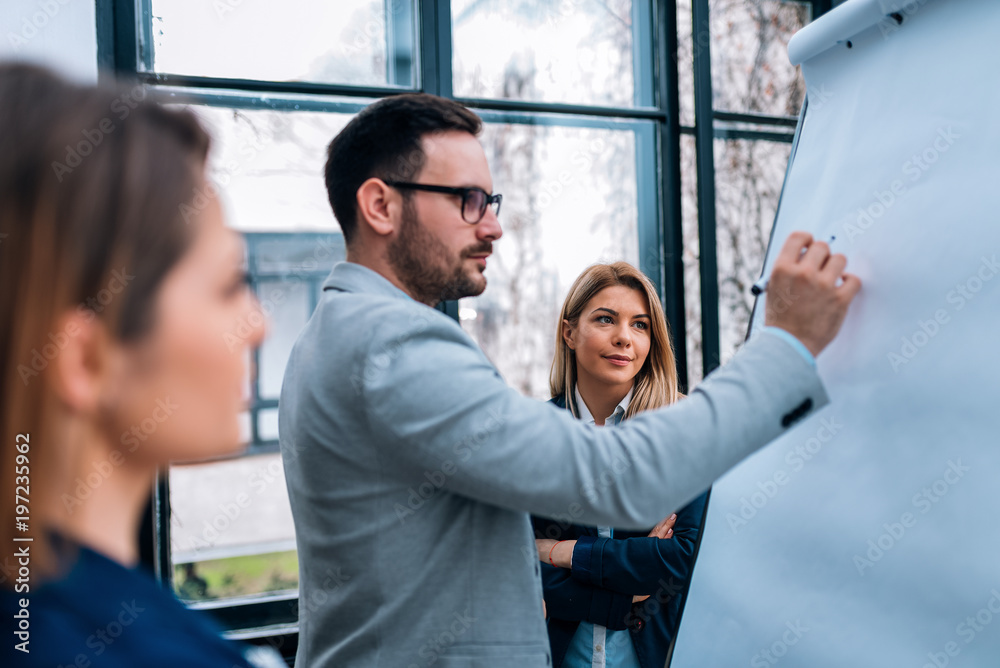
x=289 y=305
x=548 y=51
x=358 y=42
x=267 y=166
x=231 y=530
x=685 y=63
x=750 y=67
x=577 y=190
x=691 y=260
x=748 y=180
x=570 y=200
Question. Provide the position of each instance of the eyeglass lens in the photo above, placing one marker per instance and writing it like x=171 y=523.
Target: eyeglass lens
x=474 y=206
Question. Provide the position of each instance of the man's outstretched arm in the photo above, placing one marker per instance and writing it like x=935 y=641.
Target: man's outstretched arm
x=439 y=410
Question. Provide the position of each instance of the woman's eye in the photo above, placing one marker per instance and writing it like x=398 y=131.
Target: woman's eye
x=242 y=282
x=641 y=324
x=605 y=319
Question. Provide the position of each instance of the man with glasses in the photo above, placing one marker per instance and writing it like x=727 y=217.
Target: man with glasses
x=412 y=467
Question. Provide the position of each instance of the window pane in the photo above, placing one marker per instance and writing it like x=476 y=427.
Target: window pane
x=231 y=531
x=547 y=51
x=691 y=259
x=288 y=305
x=569 y=200
x=750 y=67
x=268 y=166
x=299 y=255
x=348 y=42
x=267 y=424
x=685 y=64
x=748 y=178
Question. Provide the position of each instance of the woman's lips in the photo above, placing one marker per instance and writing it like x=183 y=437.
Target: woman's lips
x=618 y=360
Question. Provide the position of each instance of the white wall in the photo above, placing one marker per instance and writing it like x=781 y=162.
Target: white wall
x=58 y=33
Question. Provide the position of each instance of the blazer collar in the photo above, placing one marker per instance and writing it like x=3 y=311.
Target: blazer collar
x=353 y=277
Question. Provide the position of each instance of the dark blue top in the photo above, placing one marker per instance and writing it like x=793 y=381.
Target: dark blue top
x=103 y=614
x=608 y=572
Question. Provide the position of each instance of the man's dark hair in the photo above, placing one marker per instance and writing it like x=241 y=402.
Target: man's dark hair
x=383 y=141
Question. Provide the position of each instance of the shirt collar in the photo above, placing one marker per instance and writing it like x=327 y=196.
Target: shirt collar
x=585 y=415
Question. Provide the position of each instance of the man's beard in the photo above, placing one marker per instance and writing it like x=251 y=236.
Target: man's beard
x=423 y=265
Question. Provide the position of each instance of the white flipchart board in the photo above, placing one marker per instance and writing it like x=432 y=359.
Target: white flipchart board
x=869 y=535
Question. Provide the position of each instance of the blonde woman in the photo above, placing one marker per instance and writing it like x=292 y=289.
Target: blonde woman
x=613 y=597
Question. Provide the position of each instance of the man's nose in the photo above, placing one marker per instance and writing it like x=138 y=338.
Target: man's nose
x=489 y=227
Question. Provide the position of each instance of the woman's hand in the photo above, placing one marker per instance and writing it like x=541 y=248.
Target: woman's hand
x=561 y=551
x=664 y=529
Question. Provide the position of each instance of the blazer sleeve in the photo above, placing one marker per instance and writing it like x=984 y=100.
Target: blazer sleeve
x=573 y=600
x=436 y=408
x=640 y=566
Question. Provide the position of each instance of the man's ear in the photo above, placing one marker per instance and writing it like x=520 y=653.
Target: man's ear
x=568 y=333
x=83 y=366
x=378 y=206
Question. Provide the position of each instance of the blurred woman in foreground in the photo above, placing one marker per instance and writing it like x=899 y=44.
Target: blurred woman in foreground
x=121 y=291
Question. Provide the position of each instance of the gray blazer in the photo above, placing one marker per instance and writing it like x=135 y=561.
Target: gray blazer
x=412 y=468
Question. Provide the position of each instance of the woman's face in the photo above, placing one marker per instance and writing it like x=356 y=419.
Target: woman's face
x=612 y=338
x=181 y=388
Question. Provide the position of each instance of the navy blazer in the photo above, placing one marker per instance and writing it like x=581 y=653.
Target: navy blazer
x=608 y=572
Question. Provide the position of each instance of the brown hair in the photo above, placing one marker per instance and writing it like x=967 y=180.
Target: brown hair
x=656 y=383
x=383 y=141
x=93 y=185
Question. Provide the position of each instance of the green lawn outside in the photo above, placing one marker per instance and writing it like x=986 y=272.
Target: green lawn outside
x=237 y=576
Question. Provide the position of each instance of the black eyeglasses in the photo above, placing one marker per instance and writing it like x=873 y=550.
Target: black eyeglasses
x=474 y=200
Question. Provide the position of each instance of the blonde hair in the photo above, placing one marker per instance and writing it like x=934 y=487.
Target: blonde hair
x=656 y=383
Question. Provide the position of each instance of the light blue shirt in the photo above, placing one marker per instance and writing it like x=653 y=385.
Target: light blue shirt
x=798 y=345
x=593 y=645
